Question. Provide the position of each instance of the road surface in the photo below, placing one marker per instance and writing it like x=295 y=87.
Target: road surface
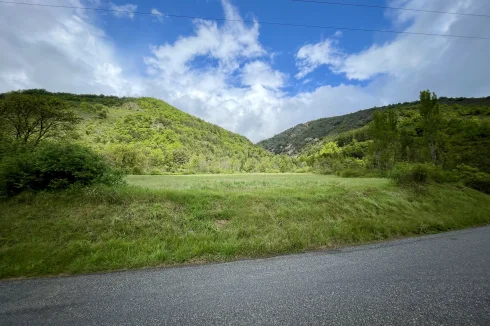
x=434 y=280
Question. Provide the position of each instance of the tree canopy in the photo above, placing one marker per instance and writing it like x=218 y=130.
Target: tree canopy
x=32 y=118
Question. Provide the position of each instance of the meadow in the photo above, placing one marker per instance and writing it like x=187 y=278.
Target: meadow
x=169 y=220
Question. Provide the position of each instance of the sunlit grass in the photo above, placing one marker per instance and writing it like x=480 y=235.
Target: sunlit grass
x=160 y=220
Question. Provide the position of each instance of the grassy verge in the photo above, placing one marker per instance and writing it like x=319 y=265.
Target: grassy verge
x=176 y=219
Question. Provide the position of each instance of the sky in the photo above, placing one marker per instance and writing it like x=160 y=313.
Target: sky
x=249 y=77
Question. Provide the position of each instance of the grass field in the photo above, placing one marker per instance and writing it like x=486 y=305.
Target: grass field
x=165 y=220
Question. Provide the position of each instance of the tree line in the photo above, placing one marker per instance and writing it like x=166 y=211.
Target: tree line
x=448 y=140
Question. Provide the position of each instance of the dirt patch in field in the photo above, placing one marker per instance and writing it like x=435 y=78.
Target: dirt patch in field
x=220 y=223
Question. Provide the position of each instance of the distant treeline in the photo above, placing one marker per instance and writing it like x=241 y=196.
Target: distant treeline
x=296 y=140
x=445 y=142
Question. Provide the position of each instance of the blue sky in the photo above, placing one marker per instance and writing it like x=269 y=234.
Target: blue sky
x=251 y=78
x=284 y=41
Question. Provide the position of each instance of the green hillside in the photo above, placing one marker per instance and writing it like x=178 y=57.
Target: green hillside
x=295 y=140
x=149 y=136
x=453 y=136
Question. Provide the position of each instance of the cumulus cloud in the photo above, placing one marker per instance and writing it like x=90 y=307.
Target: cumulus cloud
x=406 y=53
x=398 y=69
x=449 y=66
x=58 y=50
x=123 y=11
x=228 y=44
x=261 y=73
x=311 y=56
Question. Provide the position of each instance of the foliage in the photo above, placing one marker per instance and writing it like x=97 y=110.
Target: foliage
x=451 y=137
x=330 y=155
x=146 y=136
x=479 y=181
x=431 y=123
x=384 y=134
x=53 y=166
x=30 y=118
x=79 y=100
x=297 y=140
x=406 y=174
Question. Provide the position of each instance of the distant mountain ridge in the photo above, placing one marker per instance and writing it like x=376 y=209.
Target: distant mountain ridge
x=294 y=140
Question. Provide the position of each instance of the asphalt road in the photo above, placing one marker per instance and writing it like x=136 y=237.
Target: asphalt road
x=435 y=280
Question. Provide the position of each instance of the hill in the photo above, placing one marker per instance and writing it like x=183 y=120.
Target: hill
x=454 y=137
x=295 y=140
x=149 y=136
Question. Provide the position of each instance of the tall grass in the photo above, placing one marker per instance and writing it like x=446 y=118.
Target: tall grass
x=164 y=220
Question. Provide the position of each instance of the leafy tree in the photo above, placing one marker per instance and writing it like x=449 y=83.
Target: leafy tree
x=431 y=123
x=383 y=131
x=30 y=118
x=330 y=157
x=180 y=156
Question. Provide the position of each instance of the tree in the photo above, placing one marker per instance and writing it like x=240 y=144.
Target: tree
x=180 y=156
x=431 y=123
x=32 y=118
x=383 y=131
x=331 y=155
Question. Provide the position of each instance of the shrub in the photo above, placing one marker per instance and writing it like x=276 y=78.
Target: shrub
x=155 y=171
x=465 y=171
x=54 y=166
x=408 y=174
x=479 y=181
x=102 y=114
x=136 y=170
x=420 y=173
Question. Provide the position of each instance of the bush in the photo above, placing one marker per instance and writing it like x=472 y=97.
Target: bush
x=479 y=181
x=102 y=114
x=408 y=174
x=420 y=173
x=54 y=166
x=155 y=171
x=465 y=171
x=405 y=174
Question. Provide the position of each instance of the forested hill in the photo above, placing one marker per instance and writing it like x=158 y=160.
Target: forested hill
x=149 y=136
x=294 y=140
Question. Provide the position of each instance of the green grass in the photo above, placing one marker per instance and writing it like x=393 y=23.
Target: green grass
x=165 y=220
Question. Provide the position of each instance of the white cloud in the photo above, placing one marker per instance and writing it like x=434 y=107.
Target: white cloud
x=57 y=50
x=155 y=12
x=397 y=70
x=311 y=56
x=229 y=43
x=450 y=66
x=406 y=53
x=123 y=11
x=260 y=73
